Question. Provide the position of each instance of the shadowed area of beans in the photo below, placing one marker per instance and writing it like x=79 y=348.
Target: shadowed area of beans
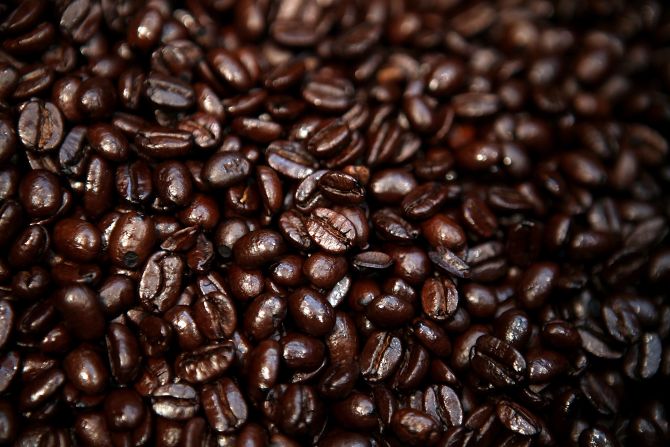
x=361 y=223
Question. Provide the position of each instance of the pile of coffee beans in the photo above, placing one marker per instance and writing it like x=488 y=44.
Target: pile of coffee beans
x=334 y=222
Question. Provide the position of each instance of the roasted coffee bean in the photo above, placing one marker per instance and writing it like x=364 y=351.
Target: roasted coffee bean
x=204 y=364
x=643 y=359
x=497 y=362
x=327 y=94
x=123 y=352
x=40 y=126
x=439 y=298
x=258 y=248
x=517 y=418
x=302 y=351
x=380 y=356
x=77 y=239
x=300 y=410
x=224 y=405
x=226 y=169
x=389 y=311
x=449 y=262
x=375 y=260
x=290 y=159
x=514 y=327
x=341 y=188
x=415 y=427
x=330 y=230
x=393 y=227
x=176 y=401
x=96 y=98
x=81 y=311
x=311 y=312
x=424 y=201
x=131 y=240
x=356 y=411
x=215 y=316
x=478 y=216
x=174 y=184
x=40 y=193
x=230 y=69
x=203 y=211
x=134 y=182
x=167 y=92
x=162 y=142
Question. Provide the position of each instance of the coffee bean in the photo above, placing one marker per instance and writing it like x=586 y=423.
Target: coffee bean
x=439 y=298
x=131 y=240
x=81 y=310
x=40 y=126
x=449 y=262
x=393 y=227
x=290 y=159
x=175 y=401
x=497 y=362
x=226 y=169
x=204 y=364
x=224 y=405
x=414 y=427
x=330 y=230
x=161 y=142
x=517 y=419
x=380 y=356
x=311 y=312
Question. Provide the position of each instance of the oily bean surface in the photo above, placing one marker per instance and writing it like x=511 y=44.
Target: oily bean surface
x=334 y=223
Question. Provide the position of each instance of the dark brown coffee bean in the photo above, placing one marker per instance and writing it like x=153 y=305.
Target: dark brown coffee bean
x=174 y=183
x=81 y=311
x=643 y=359
x=393 y=227
x=341 y=188
x=380 y=356
x=439 y=298
x=230 y=69
x=415 y=427
x=449 y=262
x=311 y=312
x=161 y=143
x=40 y=193
x=204 y=364
x=80 y=20
x=329 y=95
x=442 y=230
x=176 y=401
x=215 y=316
x=389 y=311
x=517 y=418
x=225 y=169
x=96 y=98
x=40 y=126
x=224 y=405
x=478 y=216
x=131 y=241
x=374 y=260
x=290 y=159
x=167 y=92
x=330 y=139
x=160 y=284
x=34 y=81
x=497 y=362
x=536 y=284
x=123 y=352
x=330 y=230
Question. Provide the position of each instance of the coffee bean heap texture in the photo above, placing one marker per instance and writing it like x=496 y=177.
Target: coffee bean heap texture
x=357 y=223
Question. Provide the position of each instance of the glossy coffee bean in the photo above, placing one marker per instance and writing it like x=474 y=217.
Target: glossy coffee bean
x=77 y=239
x=131 y=240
